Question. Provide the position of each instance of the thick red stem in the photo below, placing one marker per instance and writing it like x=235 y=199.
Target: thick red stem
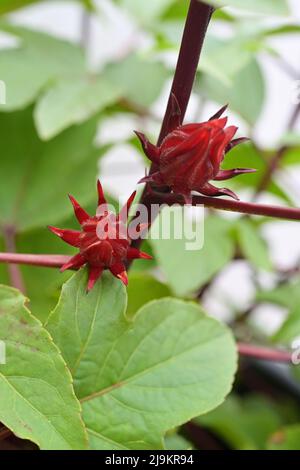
x=196 y=24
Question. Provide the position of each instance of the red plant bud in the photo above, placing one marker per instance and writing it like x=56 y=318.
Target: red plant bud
x=191 y=155
x=103 y=242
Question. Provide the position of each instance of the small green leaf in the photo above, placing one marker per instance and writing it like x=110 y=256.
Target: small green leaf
x=287 y=438
x=286 y=295
x=138 y=379
x=37 y=397
x=131 y=75
x=146 y=12
x=266 y=7
x=290 y=329
x=187 y=270
x=292 y=157
x=72 y=102
x=252 y=245
x=248 y=105
x=141 y=289
x=39 y=60
x=225 y=59
x=247 y=156
x=255 y=418
x=7 y=6
x=291 y=139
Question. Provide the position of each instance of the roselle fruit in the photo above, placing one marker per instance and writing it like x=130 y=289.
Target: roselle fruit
x=191 y=155
x=103 y=241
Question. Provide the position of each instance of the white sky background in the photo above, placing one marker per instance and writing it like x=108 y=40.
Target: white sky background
x=114 y=36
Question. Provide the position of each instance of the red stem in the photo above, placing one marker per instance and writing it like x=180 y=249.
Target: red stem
x=196 y=24
x=288 y=213
x=266 y=354
x=195 y=28
x=47 y=261
x=16 y=278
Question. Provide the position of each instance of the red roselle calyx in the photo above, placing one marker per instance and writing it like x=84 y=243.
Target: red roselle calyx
x=103 y=242
x=191 y=155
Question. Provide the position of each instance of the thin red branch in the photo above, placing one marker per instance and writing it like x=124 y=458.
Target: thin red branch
x=47 y=261
x=263 y=353
x=15 y=275
x=288 y=213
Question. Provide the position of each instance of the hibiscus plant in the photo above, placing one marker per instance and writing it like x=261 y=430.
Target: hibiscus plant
x=113 y=340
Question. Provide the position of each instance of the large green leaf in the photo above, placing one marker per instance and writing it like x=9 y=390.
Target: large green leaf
x=73 y=102
x=137 y=379
x=36 y=177
x=39 y=60
x=287 y=438
x=188 y=270
x=37 y=401
x=267 y=7
x=141 y=80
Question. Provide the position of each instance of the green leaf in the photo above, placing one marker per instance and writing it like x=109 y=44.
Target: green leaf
x=291 y=156
x=291 y=139
x=266 y=7
x=225 y=59
x=140 y=80
x=146 y=12
x=248 y=105
x=7 y=6
x=72 y=102
x=138 y=379
x=252 y=245
x=39 y=60
x=65 y=164
x=255 y=418
x=141 y=289
x=247 y=156
x=186 y=270
x=287 y=438
x=37 y=397
x=290 y=329
x=286 y=295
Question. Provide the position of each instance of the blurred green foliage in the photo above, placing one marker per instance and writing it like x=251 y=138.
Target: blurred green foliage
x=55 y=105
